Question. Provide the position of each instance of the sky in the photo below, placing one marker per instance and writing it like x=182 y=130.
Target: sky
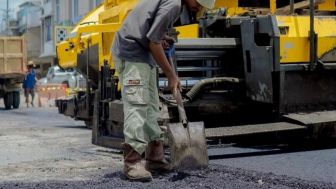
x=13 y=4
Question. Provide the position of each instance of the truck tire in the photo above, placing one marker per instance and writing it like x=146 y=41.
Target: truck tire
x=16 y=99
x=88 y=124
x=8 y=100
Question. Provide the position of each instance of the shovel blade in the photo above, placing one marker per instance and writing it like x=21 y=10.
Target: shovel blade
x=188 y=146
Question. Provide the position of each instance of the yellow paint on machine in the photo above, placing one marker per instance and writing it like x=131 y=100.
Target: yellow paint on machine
x=328 y=5
x=294 y=38
x=67 y=56
x=188 y=31
x=98 y=28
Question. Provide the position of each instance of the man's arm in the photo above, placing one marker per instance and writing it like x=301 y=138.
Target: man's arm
x=165 y=15
x=161 y=59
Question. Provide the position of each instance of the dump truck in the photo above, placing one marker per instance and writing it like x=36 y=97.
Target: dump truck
x=13 y=59
x=248 y=68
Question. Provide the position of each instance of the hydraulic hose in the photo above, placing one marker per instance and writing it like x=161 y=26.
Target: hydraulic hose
x=196 y=89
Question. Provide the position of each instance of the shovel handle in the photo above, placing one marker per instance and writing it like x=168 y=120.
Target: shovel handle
x=180 y=108
x=177 y=94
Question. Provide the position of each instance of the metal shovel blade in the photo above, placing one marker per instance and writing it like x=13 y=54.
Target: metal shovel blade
x=188 y=146
x=186 y=139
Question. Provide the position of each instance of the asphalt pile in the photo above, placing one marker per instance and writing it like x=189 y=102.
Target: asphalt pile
x=213 y=177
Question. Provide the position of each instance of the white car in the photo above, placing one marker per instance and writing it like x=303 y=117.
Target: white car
x=72 y=78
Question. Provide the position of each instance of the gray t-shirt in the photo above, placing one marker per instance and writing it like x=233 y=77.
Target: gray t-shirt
x=148 y=21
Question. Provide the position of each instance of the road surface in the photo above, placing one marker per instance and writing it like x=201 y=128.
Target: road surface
x=41 y=149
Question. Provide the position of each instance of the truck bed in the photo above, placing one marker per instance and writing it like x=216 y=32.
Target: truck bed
x=13 y=56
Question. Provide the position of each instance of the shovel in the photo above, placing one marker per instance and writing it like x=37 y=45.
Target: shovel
x=187 y=140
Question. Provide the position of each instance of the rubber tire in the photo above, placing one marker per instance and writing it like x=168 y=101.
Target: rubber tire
x=16 y=99
x=8 y=100
x=88 y=124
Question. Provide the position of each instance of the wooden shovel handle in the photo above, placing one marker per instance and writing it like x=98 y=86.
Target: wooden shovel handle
x=176 y=93
x=180 y=108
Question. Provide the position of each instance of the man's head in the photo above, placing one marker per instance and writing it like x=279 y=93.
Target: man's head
x=30 y=65
x=196 y=5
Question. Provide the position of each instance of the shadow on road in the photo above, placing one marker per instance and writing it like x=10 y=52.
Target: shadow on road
x=83 y=127
x=280 y=148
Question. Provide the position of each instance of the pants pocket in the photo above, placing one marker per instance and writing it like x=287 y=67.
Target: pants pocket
x=134 y=92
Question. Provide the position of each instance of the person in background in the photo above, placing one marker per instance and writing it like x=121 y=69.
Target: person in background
x=29 y=83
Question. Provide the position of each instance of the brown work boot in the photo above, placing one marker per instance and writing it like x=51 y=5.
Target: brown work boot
x=133 y=168
x=155 y=160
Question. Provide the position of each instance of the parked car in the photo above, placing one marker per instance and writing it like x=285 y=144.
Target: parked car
x=72 y=78
x=42 y=81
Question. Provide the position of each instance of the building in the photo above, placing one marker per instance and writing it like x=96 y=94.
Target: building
x=48 y=54
x=58 y=13
x=28 y=24
x=28 y=15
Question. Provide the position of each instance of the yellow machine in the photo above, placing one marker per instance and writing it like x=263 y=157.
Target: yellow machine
x=248 y=67
x=98 y=28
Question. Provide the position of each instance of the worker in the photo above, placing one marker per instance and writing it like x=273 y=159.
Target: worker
x=137 y=49
x=29 y=83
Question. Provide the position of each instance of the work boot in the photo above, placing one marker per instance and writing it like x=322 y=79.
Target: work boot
x=155 y=160
x=133 y=168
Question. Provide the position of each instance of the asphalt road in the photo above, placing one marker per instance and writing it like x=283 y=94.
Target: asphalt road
x=41 y=149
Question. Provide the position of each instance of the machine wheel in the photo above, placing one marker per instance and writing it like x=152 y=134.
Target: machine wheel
x=59 y=106
x=16 y=99
x=88 y=124
x=8 y=100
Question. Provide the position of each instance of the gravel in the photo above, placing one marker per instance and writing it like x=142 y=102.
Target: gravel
x=213 y=177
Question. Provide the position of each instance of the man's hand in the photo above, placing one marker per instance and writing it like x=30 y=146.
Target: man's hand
x=167 y=41
x=174 y=84
x=161 y=59
x=165 y=44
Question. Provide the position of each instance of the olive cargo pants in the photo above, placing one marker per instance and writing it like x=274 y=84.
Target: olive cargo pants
x=141 y=103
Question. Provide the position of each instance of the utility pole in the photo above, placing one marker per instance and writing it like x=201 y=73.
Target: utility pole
x=7 y=18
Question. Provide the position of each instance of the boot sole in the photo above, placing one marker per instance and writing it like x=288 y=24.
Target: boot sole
x=139 y=179
x=158 y=169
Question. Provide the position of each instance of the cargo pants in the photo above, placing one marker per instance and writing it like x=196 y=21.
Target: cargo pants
x=141 y=103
